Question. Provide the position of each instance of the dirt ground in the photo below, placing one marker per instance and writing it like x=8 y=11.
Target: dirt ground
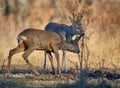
x=22 y=77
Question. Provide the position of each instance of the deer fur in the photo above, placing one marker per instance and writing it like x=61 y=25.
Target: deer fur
x=68 y=30
x=35 y=39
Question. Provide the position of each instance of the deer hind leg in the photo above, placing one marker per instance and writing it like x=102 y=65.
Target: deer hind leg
x=51 y=61
x=25 y=56
x=18 y=49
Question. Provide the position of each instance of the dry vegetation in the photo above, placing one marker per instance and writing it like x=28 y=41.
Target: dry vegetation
x=102 y=34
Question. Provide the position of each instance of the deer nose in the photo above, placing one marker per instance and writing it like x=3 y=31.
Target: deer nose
x=82 y=33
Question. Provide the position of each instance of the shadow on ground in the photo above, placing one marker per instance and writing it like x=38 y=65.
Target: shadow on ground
x=24 y=78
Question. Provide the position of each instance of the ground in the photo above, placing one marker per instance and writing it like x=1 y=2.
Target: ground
x=22 y=77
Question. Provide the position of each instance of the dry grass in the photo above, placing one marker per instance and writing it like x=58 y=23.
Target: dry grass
x=103 y=30
x=102 y=34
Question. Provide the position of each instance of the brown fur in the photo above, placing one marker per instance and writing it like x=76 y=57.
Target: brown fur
x=35 y=39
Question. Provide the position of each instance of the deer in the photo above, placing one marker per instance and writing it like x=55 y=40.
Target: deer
x=32 y=39
x=68 y=31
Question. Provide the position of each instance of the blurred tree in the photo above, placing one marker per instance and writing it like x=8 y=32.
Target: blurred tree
x=7 y=9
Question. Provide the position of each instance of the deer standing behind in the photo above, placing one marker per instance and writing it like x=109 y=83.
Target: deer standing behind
x=35 y=39
x=67 y=31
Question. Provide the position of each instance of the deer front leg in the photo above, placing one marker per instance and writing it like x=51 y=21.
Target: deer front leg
x=25 y=56
x=44 y=66
x=58 y=62
x=51 y=61
x=64 y=60
x=57 y=58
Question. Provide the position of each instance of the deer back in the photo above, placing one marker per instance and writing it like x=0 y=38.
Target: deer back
x=39 y=39
x=58 y=28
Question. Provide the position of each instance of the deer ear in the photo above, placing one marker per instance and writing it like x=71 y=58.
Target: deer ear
x=77 y=39
x=72 y=21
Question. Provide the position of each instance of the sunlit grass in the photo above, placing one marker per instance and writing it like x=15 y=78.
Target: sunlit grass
x=102 y=37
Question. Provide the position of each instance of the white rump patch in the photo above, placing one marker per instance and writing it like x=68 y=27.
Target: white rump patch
x=21 y=38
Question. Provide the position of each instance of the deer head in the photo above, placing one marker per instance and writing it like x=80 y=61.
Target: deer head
x=76 y=23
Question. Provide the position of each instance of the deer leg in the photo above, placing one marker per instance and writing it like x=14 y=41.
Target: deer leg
x=25 y=56
x=44 y=66
x=58 y=62
x=63 y=35
x=51 y=61
x=64 y=60
x=11 y=53
x=57 y=58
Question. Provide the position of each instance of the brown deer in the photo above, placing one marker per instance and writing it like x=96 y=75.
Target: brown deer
x=35 y=39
